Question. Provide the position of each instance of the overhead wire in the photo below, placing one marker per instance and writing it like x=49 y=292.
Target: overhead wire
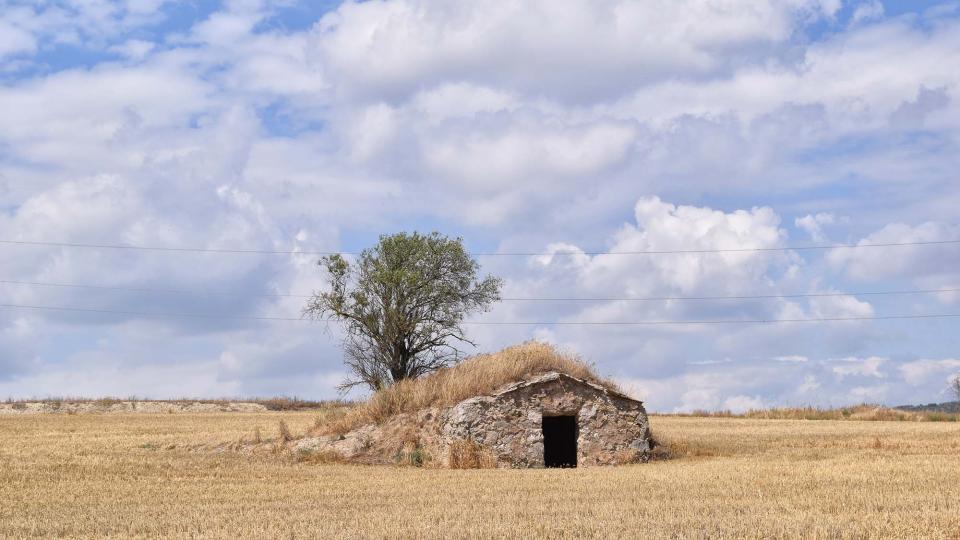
x=491 y=323
x=498 y=323
x=114 y=246
x=508 y=299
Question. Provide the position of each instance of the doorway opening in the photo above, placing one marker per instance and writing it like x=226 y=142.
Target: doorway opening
x=560 y=441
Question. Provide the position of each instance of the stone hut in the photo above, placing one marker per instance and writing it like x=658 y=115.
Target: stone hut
x=552 y=420
x=548 y=420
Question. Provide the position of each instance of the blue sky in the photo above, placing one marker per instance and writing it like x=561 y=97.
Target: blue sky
x=549 y=127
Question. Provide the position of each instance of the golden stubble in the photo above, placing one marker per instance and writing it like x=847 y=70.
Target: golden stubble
x=152 y=475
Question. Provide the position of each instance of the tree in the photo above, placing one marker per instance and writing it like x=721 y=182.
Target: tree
x=402 y=304
x=955 y=386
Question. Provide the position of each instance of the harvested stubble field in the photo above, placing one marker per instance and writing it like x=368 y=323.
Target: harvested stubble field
x=148 y=475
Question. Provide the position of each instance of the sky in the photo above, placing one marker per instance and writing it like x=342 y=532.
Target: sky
x=554 y=129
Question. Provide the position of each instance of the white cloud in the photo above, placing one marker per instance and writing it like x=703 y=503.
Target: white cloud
x=24 y=26
x=809 y=384
x=813 y=224
x=791 y=358
x=867 y=11
x=528 y=126
x=935 y=262
x=102 y=120
x=391 y=49
x=869 y=394
x=860 y=367
x=926 y=371
x=14 y=40
x=134 y=49
x=739 y=404
x=459 y=100
x=488 y=163
x=660 y=226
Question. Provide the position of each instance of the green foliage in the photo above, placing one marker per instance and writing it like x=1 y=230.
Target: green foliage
x=402 y=304
x=413 y=457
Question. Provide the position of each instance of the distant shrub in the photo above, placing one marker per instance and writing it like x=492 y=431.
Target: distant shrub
x=106 y=402
x=284 y=403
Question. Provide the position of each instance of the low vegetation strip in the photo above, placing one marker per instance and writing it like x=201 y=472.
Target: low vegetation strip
x=863 y=412
x=110 y=405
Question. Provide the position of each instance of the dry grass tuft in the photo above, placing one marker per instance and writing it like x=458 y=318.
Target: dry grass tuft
x=285 y=434
x=413 y=455
x=479 y=375
x=320 y=458
x=469 y=454
x=681 y=448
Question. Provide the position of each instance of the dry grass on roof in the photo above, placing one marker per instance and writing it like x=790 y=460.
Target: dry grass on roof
x=476 y=376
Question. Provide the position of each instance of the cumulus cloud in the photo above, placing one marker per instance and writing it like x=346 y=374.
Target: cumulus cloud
x=15 y=40
x=867 y=11
x=25 y=26
x=424 y=40
x=739 y=404
x=809 y=384
x=565 y=128
x=813 y=224
x=929 y=264
x=923 y=371
x=860 y=367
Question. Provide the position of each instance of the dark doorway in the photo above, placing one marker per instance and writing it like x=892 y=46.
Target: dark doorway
x=560 y=441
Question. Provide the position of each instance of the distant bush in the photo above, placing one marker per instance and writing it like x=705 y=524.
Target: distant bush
x=106 y=402
x=296 y=404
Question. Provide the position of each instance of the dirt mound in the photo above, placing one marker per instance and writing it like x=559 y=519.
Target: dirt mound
x=477 y=376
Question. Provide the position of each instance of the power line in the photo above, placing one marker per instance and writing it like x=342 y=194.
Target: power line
x=149 y=290
x=717 y=321
x=511 y=299
x=149 y=314
x=740 y=297
x=477 y=254
x=492 y=323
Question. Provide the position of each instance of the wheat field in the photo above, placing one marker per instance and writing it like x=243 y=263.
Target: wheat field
x=150 y=475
